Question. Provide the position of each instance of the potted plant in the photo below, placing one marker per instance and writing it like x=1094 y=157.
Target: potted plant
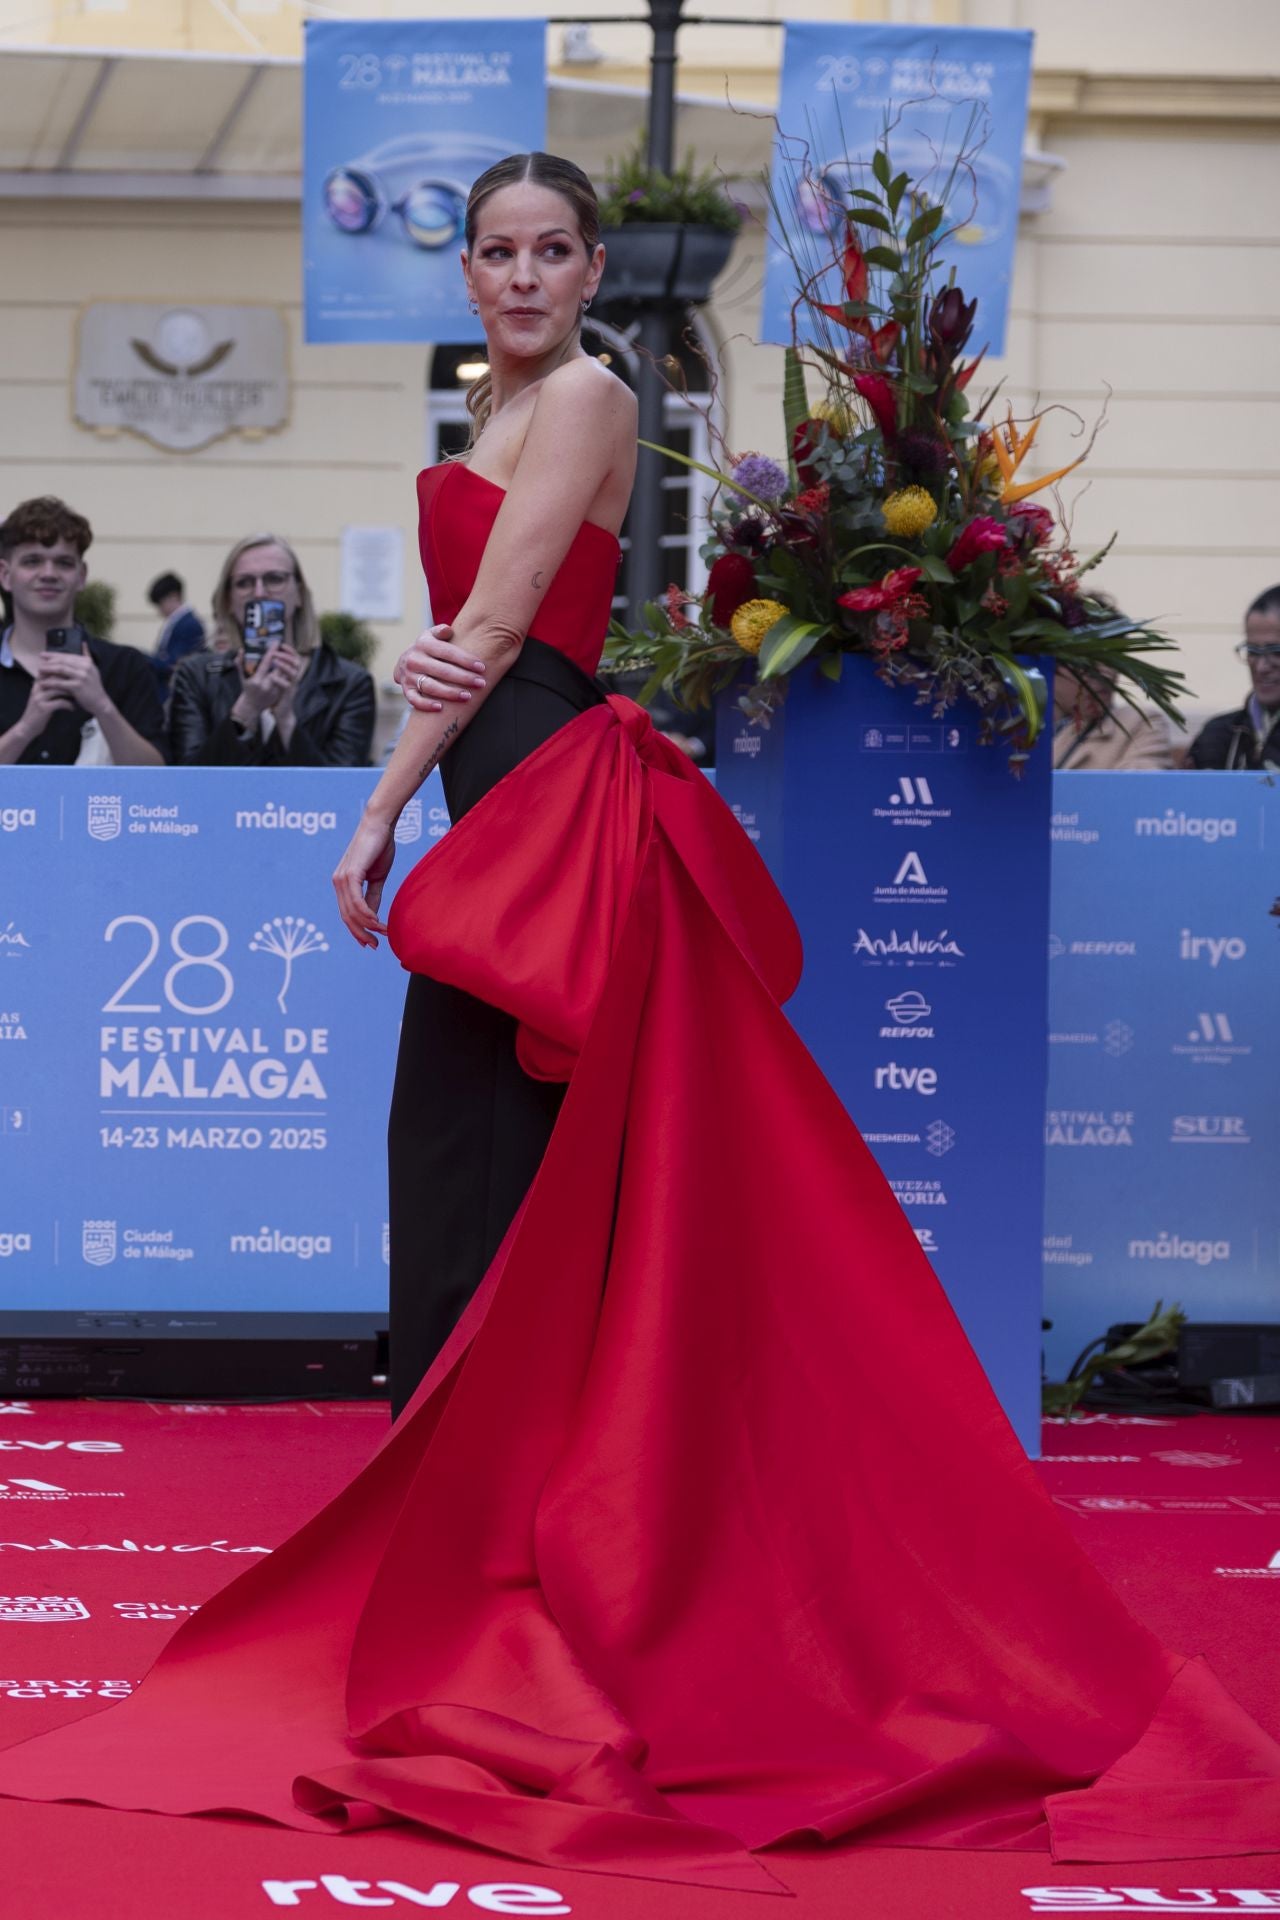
x=666 y=235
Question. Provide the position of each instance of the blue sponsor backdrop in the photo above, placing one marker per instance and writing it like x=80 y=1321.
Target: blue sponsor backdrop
x=918 y=870
x=195 y=1057
x=1163 y=1126
x=400 y=117
x=840 y=86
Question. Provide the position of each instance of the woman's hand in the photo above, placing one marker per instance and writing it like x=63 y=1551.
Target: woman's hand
x=433 y=670
x=360 y=876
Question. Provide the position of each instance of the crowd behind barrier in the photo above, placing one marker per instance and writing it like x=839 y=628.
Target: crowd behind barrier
x=261 y=687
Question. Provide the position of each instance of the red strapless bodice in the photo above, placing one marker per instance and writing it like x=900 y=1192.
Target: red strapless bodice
x=456 y=512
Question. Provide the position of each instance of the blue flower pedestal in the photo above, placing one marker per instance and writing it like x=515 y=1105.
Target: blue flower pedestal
x=917 y=867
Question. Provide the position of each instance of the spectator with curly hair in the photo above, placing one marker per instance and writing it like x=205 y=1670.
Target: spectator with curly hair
x=52 y=702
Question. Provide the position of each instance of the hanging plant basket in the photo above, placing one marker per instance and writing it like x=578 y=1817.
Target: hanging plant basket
x=647 y=260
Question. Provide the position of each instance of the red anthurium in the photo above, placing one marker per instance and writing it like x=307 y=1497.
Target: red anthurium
x=730 y=584
x=982 y=535
x=890 y=588
x=879 y=396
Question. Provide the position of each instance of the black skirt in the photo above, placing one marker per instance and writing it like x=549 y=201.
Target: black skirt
x=468 y=1127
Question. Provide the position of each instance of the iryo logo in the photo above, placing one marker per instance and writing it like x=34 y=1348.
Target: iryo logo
x=1197 y=946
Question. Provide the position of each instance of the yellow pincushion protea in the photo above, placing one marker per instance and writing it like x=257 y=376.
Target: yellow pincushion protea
x=908 y=512
x=752 y=622
x=835 y=415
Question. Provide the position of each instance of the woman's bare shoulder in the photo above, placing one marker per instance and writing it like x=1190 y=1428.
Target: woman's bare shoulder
x=584 y=383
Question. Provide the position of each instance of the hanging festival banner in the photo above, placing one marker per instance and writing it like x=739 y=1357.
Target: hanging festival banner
x=400 y=117
x=955 y=102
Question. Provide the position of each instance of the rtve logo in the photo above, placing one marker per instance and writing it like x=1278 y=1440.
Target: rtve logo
x=897 y=1079
x=492 y=1896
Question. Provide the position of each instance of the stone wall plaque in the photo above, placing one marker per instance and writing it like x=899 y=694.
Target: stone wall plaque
x=181 y=376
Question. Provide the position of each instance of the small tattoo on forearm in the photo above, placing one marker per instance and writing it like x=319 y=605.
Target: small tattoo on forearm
x=537 y=579
x=429 y=765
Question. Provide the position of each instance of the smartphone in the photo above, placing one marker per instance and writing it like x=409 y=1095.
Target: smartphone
x=264 y=627
x=64 y=640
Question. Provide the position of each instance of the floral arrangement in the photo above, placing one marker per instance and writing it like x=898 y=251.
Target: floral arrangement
x=899 y=525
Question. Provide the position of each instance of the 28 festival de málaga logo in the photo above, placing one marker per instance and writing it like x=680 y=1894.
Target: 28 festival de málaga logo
x=166 y=1035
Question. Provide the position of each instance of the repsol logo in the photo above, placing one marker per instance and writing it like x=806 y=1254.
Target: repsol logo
x=309 y=822
x=11 y=1243
x=14 y=818
x=1171 y=825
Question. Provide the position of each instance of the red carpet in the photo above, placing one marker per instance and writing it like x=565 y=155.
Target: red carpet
x=114 y=1519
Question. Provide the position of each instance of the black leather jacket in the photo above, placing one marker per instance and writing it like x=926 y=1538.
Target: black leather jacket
x=333 y=716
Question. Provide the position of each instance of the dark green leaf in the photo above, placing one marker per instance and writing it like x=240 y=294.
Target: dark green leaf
x=787 y=643
x=880 y=166
x=831 y=665
x=872 y=217
x=924 y=224
x=883 y=257
x=897 y=188
x=935 y=568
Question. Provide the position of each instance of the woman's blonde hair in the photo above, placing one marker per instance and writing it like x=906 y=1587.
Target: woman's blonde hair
x=226 y=631
x=544 y=170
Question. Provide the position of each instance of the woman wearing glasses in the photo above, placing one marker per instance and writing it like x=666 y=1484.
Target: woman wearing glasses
x=268 y=692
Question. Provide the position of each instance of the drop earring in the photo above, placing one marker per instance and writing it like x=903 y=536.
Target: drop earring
x=474 y=304
x=586 y=303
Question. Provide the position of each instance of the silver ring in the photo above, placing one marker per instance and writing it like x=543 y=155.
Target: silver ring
x=418 y=684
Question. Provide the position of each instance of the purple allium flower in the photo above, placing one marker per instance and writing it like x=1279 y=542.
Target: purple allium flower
x=636 y=194
x=756 y=473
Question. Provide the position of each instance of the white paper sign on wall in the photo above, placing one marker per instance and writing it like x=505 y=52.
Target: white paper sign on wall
x=181 y=376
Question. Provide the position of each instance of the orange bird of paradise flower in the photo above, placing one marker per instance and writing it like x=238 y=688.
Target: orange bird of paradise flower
x=1011 y=449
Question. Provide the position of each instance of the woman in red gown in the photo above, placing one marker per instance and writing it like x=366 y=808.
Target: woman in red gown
x=656 y=1571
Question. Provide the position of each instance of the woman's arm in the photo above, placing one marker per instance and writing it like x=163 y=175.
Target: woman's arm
x=580 y=409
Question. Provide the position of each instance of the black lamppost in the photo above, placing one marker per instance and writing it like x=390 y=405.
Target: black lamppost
x=644 y=569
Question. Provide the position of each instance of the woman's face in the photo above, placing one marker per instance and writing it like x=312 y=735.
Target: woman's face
x=264 y=573
x=529 y=271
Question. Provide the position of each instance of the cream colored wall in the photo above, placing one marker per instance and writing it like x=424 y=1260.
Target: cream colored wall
x=348 y=454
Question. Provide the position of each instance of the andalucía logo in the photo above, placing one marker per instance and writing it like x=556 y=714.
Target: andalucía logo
x=98 y=1242
x=103 y=816
x=43 y=1610
x=13 y=941
x=914 y=949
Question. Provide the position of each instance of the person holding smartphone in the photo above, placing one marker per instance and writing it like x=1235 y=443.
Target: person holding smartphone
x=268 y=692
x=56 y=680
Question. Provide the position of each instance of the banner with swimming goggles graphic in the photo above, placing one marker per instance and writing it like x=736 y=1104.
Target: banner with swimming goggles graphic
x=1162 y=1134
x=195 y=1056
x=943 y=92
x=401 y=116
